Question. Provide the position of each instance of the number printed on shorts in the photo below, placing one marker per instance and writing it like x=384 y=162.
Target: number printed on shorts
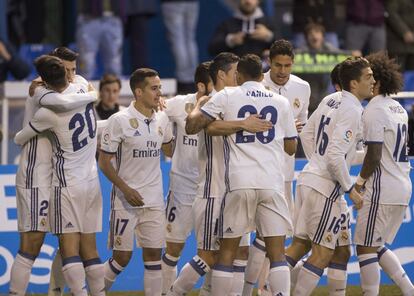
x=44 y=205
x=77 y=122
x=171 y=214
x=264 y=139
x=339 y=224
x=120 y=226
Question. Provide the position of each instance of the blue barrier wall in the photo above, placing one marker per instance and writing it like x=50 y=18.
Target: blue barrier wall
x=131 y=278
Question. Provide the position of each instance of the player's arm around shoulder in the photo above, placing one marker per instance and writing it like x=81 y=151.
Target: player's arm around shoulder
x=198 y=118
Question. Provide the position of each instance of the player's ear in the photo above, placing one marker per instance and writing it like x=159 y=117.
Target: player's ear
x=137 y=92
x=221 y=74
x=201 y=88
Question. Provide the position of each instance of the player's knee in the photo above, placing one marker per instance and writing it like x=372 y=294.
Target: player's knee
x=151 y=254
x=342 y=254
x=321 y=256
x=122 y=257
x=242 y=253
x=31 y=243
x=361 y=250
x=174 y=249
x=208 y=257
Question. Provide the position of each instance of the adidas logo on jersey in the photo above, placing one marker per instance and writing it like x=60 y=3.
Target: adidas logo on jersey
x=379 y=239
x=137 y=133
x=228 y=230
x=69 y=225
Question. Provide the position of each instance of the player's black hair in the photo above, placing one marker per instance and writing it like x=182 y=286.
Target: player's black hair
x=250 y=65
x=386 y=72
x=281 y=47
x=137 y=79
x=351 y=69
x=64 y=53
x=223 y=62
x=51 y=70
x=335 y=75
x=202 y=73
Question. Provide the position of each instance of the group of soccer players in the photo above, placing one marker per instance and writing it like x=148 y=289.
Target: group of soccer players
x=232 y=145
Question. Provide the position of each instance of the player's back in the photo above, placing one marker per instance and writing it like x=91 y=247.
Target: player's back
x=256 y=160
x=391 y=119
x=74 y=146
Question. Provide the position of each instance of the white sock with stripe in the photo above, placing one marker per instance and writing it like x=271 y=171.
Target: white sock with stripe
x=189 y=275
x=95 y=274
x=257 y=254
x=370 y=274
x=221 y=280
x=169 y=271
x=57 y=281
x=111 y=270
x=279 y=278
x=20 y=273
x=294 y=272
x=74 y=275
x=239 y=267
x=308 y=279
x=152 y=277
x=206 y=288
x=392 y=266
x=337 y=278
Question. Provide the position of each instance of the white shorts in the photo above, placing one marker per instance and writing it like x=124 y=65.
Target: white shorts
x=246 y=210
x=378 y=224
x=206 y=212
x=33 y=209
x=76 y=208
x=179 y=217
x=325 y=221
x=146 y=225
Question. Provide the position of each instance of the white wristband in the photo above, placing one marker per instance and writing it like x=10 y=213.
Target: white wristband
x=360 y=181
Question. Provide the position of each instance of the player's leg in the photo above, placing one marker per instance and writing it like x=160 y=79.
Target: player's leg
x=114 y=266
x=169 y=264
x=337 y=276
x=87 y=40
x=57 y=281
x=239 y=265
x=30 y=244
x=152 y=270
x=111 y=45
x=94 y=268
x=370 y=270
x=257 y=254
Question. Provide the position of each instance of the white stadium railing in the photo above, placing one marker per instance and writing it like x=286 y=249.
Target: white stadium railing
x=16 y=90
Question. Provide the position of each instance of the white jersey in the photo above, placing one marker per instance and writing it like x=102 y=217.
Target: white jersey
x=255 y=159
x=386 y=121
x=297 y=91
x=338 y=131
x=184 y=169
x=35 y=165
x=136 y=141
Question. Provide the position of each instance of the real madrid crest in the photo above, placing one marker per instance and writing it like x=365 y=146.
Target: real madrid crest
x=133 y=122
x=189 y=107
x=328 y=238
x=169 y=227
x=118 y=241
x=296 y=103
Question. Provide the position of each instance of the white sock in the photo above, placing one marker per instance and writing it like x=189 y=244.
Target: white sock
x=57 y=281
x=370 y=274
x=308 y=279
x=169 y=271
x=279 y=278
x=206 y=288
x=95 y=274
x=239 y=267
x=337 y=278
x=295 y=272
x=74 y=275
x=111 y=270
x=221 y=280
x=20 y=273
x=392 y=266
x=189 y=275
x=257 y=253
x=152 y=277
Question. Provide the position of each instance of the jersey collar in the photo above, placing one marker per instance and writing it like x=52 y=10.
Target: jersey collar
x=285 y=87
x=138 y=114
x=349 y=96
x=255 y=84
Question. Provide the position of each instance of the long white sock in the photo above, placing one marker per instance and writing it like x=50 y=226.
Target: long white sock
x=74 y=275
x=57 y=281
x=206 y=288
x=95 y=274
x=295 y=272
x=111 y=270
x=257 y=253
x=239 y=267
x=169 y=271
x=308 y=279
x=392 y=266
x=370 y=274
x=279 y=278
x=152 y=277
x=20 y=273
x=189 y=275
x=221 y=280
x=337 y=278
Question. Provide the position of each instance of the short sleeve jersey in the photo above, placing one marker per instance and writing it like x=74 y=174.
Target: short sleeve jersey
x=136 y=142
x=338 y=131
x=255 y=160
x=297 y=91
x=184 y=168
x=386 y=121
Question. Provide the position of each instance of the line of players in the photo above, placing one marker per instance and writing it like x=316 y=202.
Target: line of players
x=230 y=185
